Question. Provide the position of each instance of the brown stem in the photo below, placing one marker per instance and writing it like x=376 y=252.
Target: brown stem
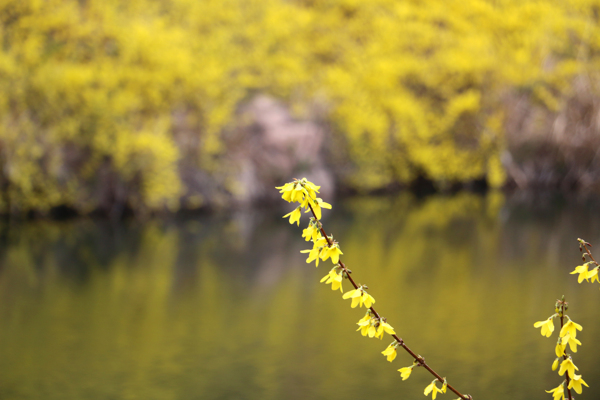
x=562 y=317
x=589 y=253
x=420 y=360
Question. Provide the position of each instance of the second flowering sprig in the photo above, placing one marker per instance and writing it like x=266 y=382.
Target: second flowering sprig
x=567 y=336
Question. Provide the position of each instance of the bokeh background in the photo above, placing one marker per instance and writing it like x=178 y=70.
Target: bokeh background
x=142 y=250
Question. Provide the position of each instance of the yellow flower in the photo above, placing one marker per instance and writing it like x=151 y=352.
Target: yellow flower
x=390 y=351
x=333 y=252
x=384 y=327
x=315 y=251
x=593 y=275
x=310 y=187
x=547 y=326
x=576 y=382
x=297 y=193
x=364 y=323
x=318 y=204
x=312 y=231
x=555 y=364
x=571 y=328
x=367 y=299
x=355 y=295
x=405 y=372
x=444 y=386
x=287 y=191
x=582 y=270
x=559 y=350
x=572 y=342
x=335 y=278
x=359 y=297
x=557 y=392
x=294 y=216
x=433 y=389
x=567 y=365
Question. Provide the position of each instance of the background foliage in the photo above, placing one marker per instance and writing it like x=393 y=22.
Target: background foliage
x=106 y=104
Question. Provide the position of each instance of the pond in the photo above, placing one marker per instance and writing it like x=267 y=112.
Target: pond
x=223 y=306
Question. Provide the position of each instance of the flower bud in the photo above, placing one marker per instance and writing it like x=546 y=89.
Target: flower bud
x=555 y=365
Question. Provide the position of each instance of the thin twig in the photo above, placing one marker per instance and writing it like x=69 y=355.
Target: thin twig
x=420 y=360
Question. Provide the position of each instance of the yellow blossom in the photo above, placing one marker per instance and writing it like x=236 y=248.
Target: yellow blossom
x=384 y=327
x=567 y=365
x=390 y=352
x=318 y=204
x=287 y=191
x=297 y=193
x=294 y=216
x=333 y=252
x=367 y=299
x=355 y=295
x=364 y=323
x=335 y=278
x=573 y=342
x=311 y=188
x=576 y=382
x=555 y=364
x=433 y=389
x=547 y=326
x=593 y=275
x=444 y=386
x=313 y=255
x=582 y=270
x=359 y=297
x=311 y=232
x=405 y=372
x=560 y=348
x=558 y=392
x=571 y=328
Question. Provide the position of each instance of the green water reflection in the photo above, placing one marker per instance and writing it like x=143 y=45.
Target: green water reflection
x=224 y=307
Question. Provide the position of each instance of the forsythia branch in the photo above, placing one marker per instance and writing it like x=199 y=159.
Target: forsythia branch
x=303 y=191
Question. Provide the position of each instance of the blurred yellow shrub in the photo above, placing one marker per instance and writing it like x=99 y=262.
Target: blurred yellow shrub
x=91 y=89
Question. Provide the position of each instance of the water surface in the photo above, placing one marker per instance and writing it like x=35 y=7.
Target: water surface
x=225 y=307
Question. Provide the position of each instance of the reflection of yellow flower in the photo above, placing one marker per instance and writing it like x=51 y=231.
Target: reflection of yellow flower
x=568 y=366
x=557 y=392
x=433 y=389
x=405 y=372
x=571 y=328
x=582 y=270
x=390 y=352
x=576 y=383
x=547 y=327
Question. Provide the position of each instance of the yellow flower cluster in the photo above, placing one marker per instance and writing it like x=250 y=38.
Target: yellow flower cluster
x=567 y=336
x=375 y=327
